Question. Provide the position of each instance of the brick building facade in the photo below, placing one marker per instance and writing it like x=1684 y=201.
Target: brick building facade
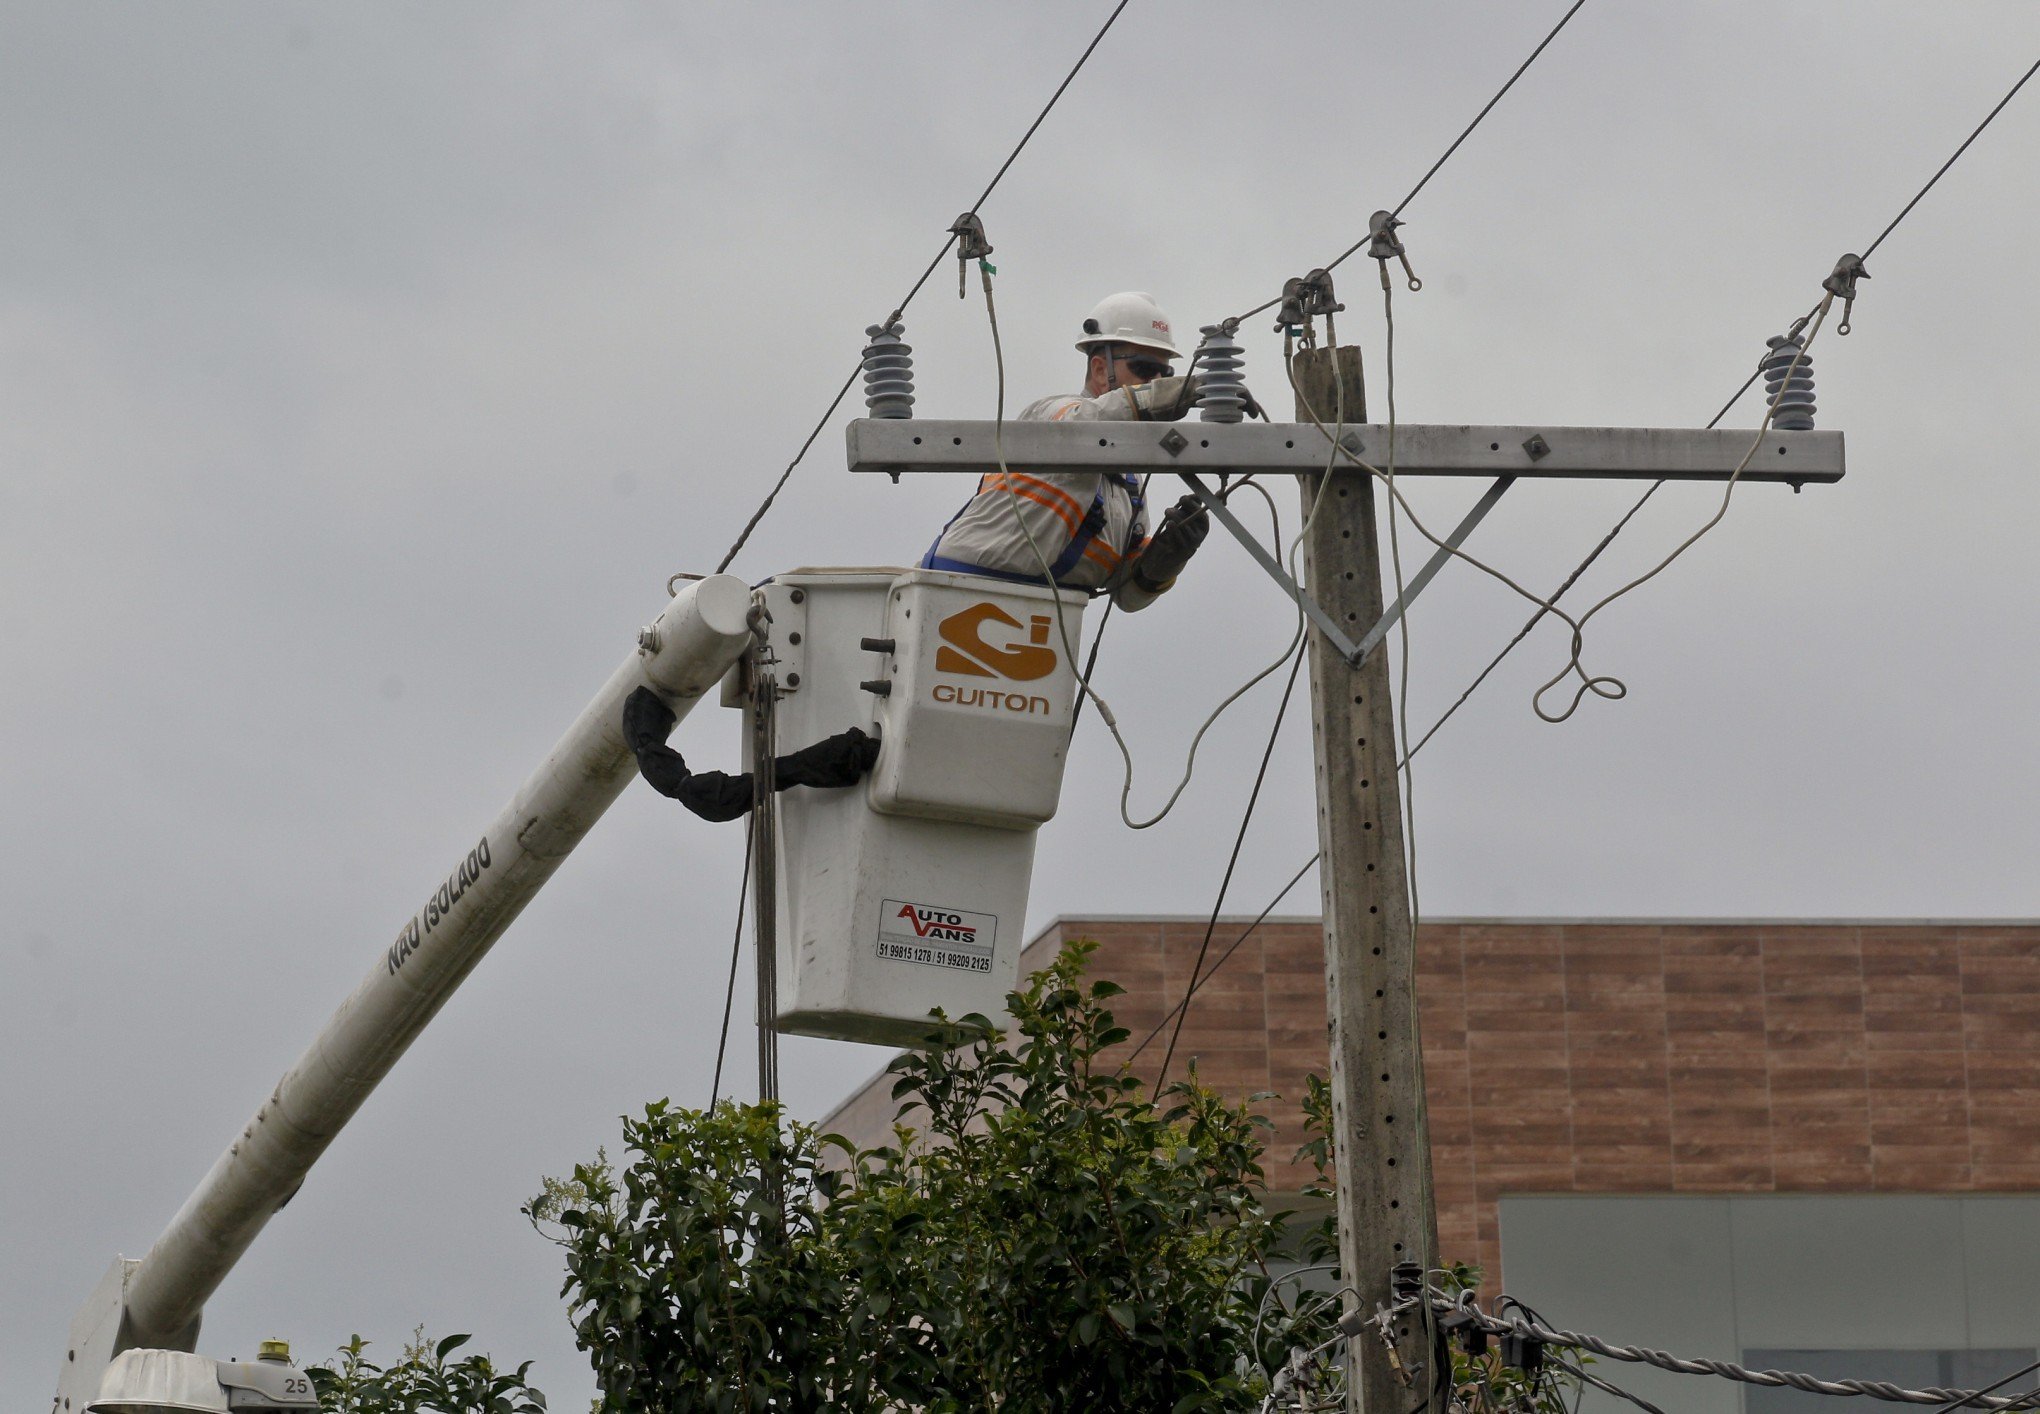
x=1631 y=1058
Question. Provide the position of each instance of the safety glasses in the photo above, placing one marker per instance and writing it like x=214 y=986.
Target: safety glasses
x=1146 y=368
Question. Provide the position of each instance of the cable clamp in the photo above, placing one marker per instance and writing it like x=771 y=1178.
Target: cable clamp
x=970 y=245
x=1848 y=270
x=1290 y=317
x=1385 y=246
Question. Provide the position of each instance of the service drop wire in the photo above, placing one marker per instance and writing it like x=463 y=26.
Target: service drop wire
x=1105 y=713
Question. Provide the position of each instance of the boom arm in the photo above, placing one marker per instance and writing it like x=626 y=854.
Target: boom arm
x=701 y=633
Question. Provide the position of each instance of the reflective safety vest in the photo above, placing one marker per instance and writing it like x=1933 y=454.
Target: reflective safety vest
x=1084 y=524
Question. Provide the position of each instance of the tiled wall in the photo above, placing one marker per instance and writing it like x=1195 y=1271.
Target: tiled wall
x=1635 y=1058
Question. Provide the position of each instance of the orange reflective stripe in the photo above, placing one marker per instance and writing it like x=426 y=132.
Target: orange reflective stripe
x=1069 y=521
x=1049 y=488
x=1098 y=552
x=1042 y=494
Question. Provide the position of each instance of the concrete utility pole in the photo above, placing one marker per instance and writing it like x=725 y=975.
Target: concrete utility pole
x=1386 y=1210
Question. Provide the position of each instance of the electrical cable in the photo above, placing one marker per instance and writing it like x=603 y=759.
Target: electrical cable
x=940 y=256
x=1232 y=948
x=1581 y=1374
x=730 y=991
x=1601 y=685
x=1748 y=383
x=1951 y=160
x=1463 y=136
x=1231 y=863
x=1526 y=1325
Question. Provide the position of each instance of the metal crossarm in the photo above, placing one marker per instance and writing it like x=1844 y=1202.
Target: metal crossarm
x=1192 y=450
x=1291 y=449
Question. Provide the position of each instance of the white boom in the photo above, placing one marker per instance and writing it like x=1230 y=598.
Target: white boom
x=157 y=1302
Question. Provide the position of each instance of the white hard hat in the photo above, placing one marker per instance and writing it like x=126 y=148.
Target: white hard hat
x=1129 y=317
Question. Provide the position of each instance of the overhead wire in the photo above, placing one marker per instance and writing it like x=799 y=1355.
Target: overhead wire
x=1748 y=383
x=1872 y=248
x=1299 y=646
x=730 y=990
x=1446 y=156
x=942 y=254
x=1231 y=863
x=1522 y=1323
x=1231 y=948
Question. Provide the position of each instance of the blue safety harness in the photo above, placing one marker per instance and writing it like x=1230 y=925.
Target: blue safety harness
x=1088 y=530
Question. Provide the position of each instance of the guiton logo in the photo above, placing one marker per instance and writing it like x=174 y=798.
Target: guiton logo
x=965 y=651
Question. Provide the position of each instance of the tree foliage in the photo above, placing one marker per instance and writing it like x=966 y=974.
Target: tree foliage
x=423 y=1381
x=1041 y=1236
x=1045 y=1237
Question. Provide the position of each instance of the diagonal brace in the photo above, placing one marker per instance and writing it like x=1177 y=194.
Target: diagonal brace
x=1431 y=566
x=1354 y=654
x=1268 y=562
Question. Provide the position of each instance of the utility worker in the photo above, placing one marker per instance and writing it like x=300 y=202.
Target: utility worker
x=1090 y=527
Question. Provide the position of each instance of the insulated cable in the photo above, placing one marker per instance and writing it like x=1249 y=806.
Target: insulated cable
x=1580 y=1373
x=1604 y=686
x=1524 y=1325
x=1182 y=1011
x=941 y=255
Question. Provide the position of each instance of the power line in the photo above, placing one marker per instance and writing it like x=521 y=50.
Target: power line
x=1466 y=133
x=1951 y=160
x=1233 y=947
x=1232 y=861
x=736 y=950
x=940 y=255
x=1571 y=579
x=1524 y=1325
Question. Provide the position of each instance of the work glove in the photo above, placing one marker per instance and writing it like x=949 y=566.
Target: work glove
x=1182 y=530
x=1165 y=399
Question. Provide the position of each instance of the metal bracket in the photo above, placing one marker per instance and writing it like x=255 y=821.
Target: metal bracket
x=1291 y=449
x=1326 y=624
x=1848 y=270
x=1437 y=562
x=1353 y=653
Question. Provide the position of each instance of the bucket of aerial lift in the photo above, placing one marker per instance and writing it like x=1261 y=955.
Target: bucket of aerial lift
x=910 y=893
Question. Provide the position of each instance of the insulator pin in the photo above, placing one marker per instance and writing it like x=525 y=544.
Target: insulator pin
x=1222 y=387
x=888 y=372
x=1790 y=389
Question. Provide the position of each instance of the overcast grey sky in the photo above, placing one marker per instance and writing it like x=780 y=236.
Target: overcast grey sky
x=365 y=370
